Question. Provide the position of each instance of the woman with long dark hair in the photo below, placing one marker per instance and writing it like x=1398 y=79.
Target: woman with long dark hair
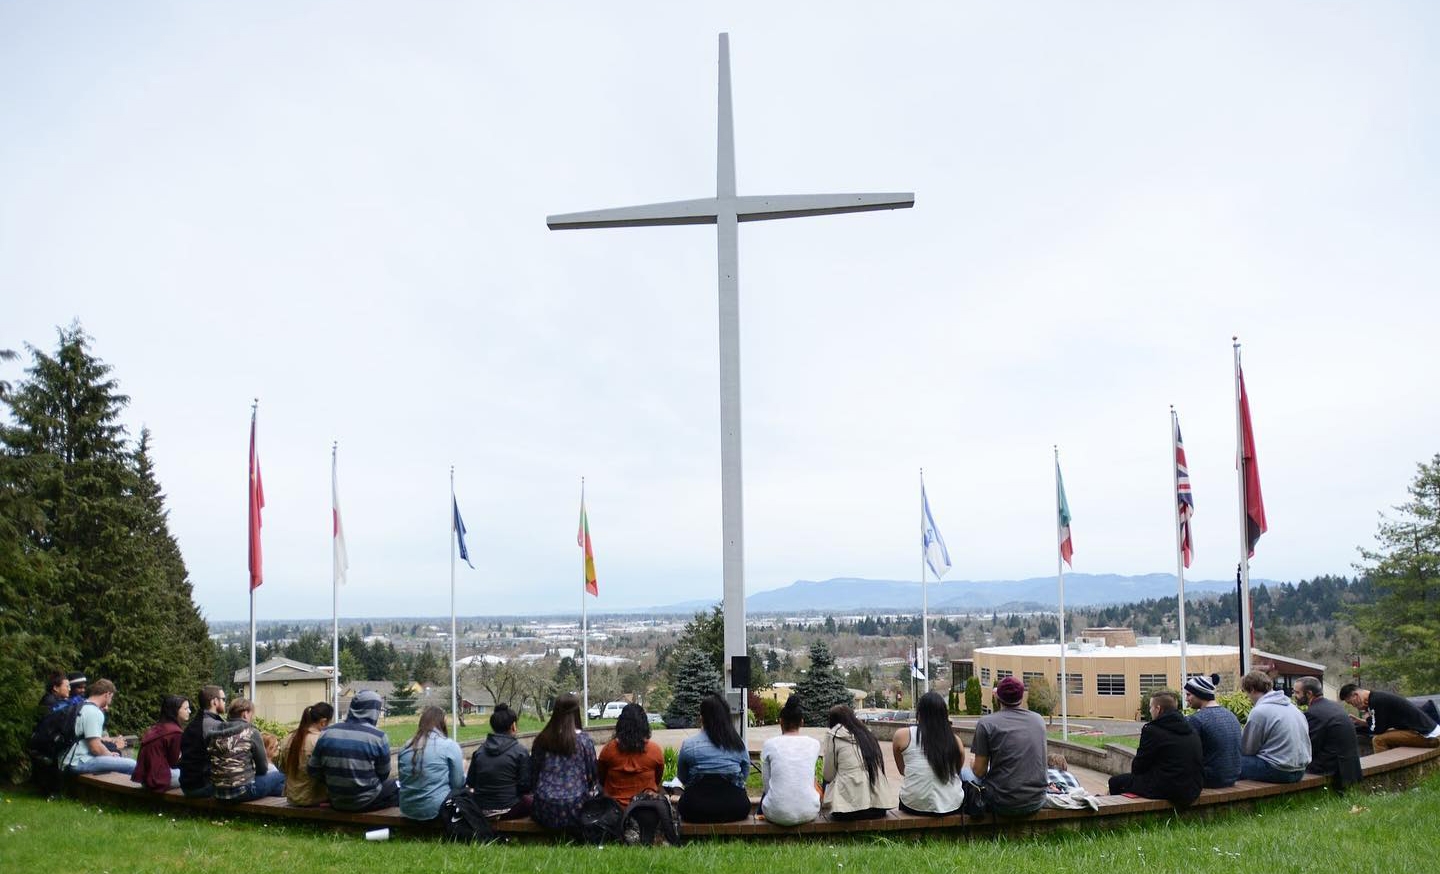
x=431 y=767
x=301 y=789
x=631 y=762
x=157 y=766
x=563 y=759
x=931 y=758
x=787 y=769
x=713 y=764
x=854 y=770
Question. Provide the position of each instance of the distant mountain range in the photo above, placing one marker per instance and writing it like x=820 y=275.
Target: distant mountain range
x=852 y=595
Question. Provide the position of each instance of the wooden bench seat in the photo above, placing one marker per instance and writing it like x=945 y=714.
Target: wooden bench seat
x=1401 y=764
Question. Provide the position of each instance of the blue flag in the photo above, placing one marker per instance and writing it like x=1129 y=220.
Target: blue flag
x=460 y=532
x=936 y=555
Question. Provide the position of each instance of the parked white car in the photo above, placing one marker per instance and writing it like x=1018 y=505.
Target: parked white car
x=612 y=710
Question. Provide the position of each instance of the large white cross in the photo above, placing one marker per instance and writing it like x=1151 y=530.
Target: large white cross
x=726 y=210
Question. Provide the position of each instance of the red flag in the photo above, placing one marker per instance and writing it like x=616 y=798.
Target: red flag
x=1254 y=501
x=257 y=502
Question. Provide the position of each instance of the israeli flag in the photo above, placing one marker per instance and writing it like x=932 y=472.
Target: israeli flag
x=936 y=555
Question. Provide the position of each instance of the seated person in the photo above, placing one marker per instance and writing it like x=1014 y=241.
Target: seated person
x=787 y=770
x=57 y=693
x=301 y=789
x=194 y=743
x=713 y=765
x=1059 y=780
x=500 y=770
x=1334 y=749
x=89 y=754
x=352 y=757
x=563 y=758
x=239 y=768
x=1009 y=752
x=431 y=767
x=631 y=762
x=1275 y=744
x=1393 y=720
x=1170 y=762
x=931 y=758
x=157 y=766
x=1219 y=731
x=854 y=769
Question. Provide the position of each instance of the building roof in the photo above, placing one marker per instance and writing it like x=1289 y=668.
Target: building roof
x=1163 y=650
x=282 y=669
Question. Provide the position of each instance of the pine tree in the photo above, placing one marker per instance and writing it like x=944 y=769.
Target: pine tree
x=695 y=677
x=120 y=599
x=823 y=687
x=1402 y=626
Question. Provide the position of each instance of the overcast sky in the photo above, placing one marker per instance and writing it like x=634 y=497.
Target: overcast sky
x=339 y=208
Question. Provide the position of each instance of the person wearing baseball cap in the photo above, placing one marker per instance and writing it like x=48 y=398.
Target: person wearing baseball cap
x=1009 y=752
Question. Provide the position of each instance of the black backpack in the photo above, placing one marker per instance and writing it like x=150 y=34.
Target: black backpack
x=462 y=820
x=650 y=815
x=600 y=821
x=977 y=800
x=54 y=734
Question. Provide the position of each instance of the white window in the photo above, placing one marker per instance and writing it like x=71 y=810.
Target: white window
x=1152 y=683
x=984 y=676
x=1077 y=683
x=1110 y=684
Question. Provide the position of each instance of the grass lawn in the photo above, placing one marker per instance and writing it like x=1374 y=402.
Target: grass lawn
x=1091 y=740
x=1358 y=832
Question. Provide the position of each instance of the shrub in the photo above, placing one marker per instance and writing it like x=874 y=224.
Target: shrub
x=1236 y=702
x=972 y=696
x=672 y=759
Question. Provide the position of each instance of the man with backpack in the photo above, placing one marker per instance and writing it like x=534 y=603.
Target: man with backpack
x=89 y=754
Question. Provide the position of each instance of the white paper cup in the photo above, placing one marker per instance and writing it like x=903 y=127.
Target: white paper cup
x=379 y=834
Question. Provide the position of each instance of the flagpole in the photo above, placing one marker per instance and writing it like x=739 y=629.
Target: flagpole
x=1244 y=533
x=1179 y=537
x=335 y=581
x=1060 y=575
x=924 y=589
x=454 y=689
x=584 y=626
x=254 y=411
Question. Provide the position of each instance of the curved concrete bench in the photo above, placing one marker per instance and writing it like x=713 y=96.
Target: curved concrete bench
x=1391 y=769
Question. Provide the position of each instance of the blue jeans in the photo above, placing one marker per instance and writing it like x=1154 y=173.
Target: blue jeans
x=1256 y=768
x=272 y=782
x=103 y=765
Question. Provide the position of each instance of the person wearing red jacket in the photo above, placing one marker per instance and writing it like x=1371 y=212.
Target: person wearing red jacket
x=157 y=766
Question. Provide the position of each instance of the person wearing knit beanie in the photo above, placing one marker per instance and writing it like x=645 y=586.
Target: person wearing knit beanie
x=1202 y=688
x=1219 y=731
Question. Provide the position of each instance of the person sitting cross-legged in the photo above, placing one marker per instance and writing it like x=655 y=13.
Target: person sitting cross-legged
x=1393 y=720
x=89 y=754
x=1275 y=745
x=1170 y=761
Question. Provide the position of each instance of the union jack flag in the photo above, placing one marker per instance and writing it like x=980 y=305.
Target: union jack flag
x=1185 y=501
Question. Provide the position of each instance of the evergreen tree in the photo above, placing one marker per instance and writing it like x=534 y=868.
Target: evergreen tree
x=823 y=687
x=972 y=696
x=695 y=677
x=706 y=633
x=402 y=701
x=121 y=604
x=1402 y=626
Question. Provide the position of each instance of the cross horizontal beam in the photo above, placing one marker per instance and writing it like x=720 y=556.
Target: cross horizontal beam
x=750 y=208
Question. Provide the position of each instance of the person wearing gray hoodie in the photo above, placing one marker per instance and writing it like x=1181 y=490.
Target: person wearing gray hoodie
x=1275 y=745
x=500 y=770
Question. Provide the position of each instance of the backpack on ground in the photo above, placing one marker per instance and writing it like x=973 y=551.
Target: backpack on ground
x=600 y=820
x=54 y=735
x=650 y=819
x=462 y=821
